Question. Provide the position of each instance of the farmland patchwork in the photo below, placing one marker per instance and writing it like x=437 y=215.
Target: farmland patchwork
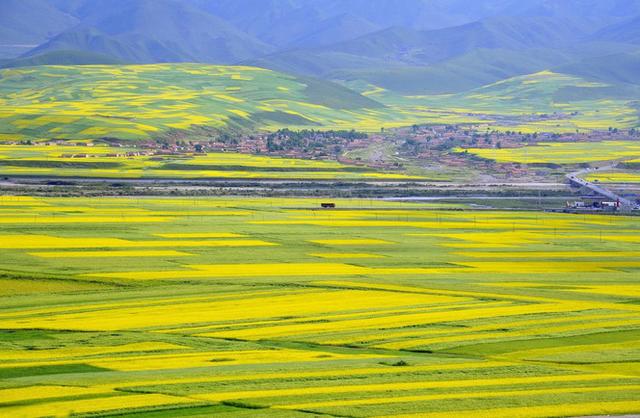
x=160 y=307
x=134 y=102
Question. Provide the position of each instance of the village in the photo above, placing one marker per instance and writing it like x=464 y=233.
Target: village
x=433 y=149
x=419 y=142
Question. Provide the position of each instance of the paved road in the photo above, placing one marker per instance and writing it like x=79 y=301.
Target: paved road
x=474 y=197
x=575 y=178
x=17 y=179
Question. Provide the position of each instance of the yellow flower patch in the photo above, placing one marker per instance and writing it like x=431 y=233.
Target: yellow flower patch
x=32 y=393
x=113 y=403
x=108 y=254
x=202 y=235
x=351 y=242
x=345 y=255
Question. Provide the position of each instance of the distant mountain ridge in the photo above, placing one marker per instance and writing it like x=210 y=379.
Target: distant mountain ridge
x=148 y=31
x=627 y=31
x=28 y=23
x=453 y=59
x=412 y=47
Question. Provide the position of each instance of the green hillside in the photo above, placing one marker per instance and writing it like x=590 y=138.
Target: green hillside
x=27 y=23
x=398 y=46
x=532 y=103
x=333 y=30
x=425 y=47
x=61 y=58
x=321 y=63
x=616 y=68
x=150 y=31
x=130 y=102
x=142 y=101
x=469 y=71
x=457 y=59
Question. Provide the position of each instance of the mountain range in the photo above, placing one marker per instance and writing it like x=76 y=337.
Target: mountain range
x=409 y=46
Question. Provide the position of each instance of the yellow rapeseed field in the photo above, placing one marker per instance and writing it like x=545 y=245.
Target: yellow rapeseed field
x=222 y=358
x=346 y=255
x=385 y=387
x=381 y=309
x=555 y=410
x=72 y=352
x=106 y=254
x=464 y=395
x=103 y=404
x=351 y=242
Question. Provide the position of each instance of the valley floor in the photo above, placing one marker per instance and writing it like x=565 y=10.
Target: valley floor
x=158 y=306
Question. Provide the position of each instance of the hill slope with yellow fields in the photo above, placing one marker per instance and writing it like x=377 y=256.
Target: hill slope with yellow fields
x=134 y=102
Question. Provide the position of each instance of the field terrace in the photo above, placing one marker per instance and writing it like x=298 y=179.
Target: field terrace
x=159 y=307
x=109 y=162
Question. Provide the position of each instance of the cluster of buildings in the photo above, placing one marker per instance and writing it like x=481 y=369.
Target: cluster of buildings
x=594 y=204
x=425 y=138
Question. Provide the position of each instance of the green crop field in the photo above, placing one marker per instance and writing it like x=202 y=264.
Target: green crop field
x=561 y=152
x=125 y=163
x=141 y=101
x=164 y=307
x=617 y=177
x=131 y=102
x=570 y=103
